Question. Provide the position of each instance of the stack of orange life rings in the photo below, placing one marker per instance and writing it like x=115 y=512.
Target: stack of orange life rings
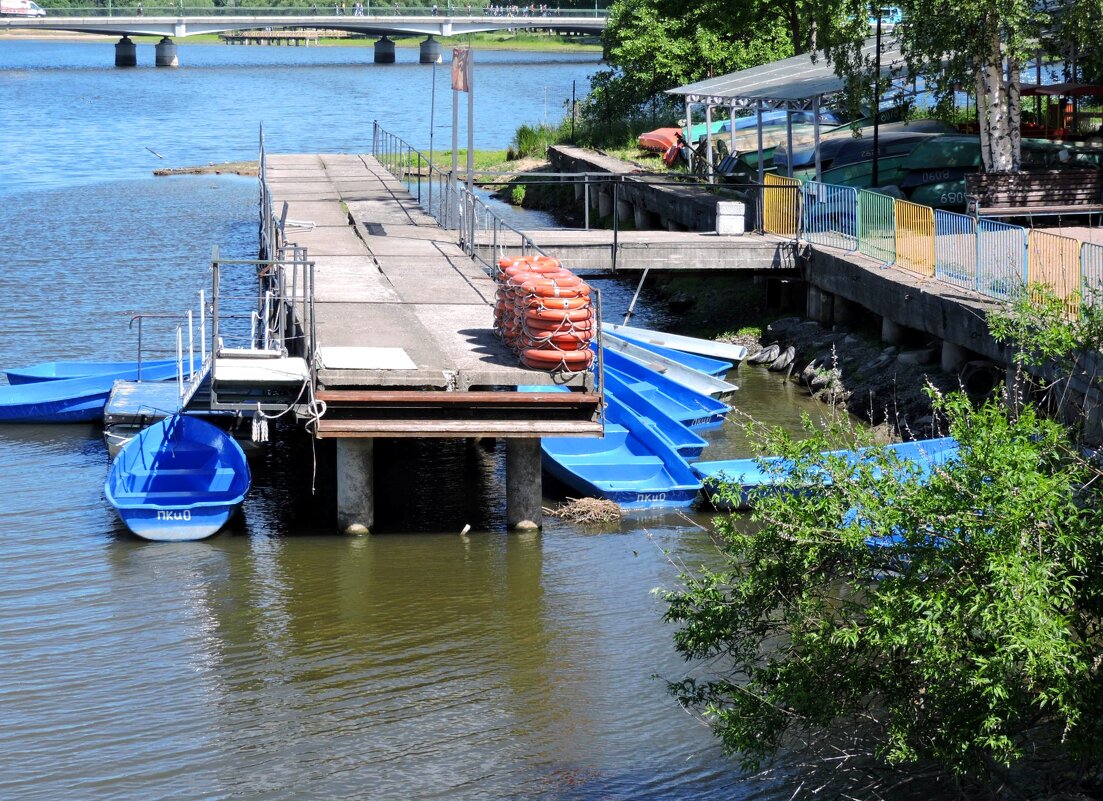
x=544 y=313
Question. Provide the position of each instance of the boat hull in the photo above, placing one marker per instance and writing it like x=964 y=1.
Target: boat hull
x=180 y=479
x=176 y=525
x=60 y=371
x=687 y=406
x=702 y=347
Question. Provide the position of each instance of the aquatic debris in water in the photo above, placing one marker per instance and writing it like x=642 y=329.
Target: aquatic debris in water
x=587 y=511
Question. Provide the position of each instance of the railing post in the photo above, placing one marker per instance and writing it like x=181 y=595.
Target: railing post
x=375 y=137
x=191 y=346
x=586 y=199
x=202 y=326
x=616 y=227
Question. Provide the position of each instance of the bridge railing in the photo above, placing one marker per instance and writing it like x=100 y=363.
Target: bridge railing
x=323 y=9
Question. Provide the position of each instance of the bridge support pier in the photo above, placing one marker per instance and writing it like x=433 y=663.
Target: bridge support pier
x=355 y=479
x=384 y=51
x=430 y=51
x=126 y=53
x=523 y=484
x=166 y=53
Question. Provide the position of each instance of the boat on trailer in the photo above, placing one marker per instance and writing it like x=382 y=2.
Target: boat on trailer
x=180 y=479
x=733 y=483
x=60 y=371
x=702 y=347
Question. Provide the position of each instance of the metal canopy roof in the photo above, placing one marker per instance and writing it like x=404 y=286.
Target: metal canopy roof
x=793 y=82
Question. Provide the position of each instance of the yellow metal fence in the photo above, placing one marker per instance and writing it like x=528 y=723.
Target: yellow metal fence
x=781 y=206
x=915 y=237
x=1054 y=260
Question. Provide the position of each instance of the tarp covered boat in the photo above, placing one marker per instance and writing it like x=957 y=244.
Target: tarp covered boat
x=180 y=479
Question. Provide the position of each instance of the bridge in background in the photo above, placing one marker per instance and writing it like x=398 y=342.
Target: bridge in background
x=170 y=23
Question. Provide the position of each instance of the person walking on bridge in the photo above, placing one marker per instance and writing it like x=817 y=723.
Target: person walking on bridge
x=140 y=12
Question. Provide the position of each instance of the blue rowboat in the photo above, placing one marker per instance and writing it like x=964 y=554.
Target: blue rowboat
x=676 y=371
x=68 y=400
x=703 y=347
x=57 y=371
x=687 y=406
x=632 y=465
x=704 y=364
x=732 y=483
x=688 y=444
x=180 y=479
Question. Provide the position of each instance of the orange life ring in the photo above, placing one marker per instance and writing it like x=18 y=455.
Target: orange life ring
x=546 y=288
x=557 y=304
x=570 y=360
x=559 y=315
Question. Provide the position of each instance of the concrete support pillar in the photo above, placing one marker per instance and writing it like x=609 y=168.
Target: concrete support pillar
x=579 y=188
x=644 y=219
x=624 y=210
x=384 y=51
x=355 y=479
x=166 y=53
x=953 y=357
x=430 y=51
x=604 y=203
x=819 y=306
x=844 y=311
x=891 y=332
x=523 y=484
x=126 y=53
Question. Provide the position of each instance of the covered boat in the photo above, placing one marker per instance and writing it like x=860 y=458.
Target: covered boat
x=180 y=479
x=732 y=483
x=702 y=347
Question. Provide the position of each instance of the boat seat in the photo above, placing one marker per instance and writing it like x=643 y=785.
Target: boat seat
x=220 y=481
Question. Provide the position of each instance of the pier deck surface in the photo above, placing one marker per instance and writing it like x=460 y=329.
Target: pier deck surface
x=402 y=313
x=388 y=277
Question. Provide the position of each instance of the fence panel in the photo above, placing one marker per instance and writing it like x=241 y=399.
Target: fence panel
x=1001 y=258
x=955 y=248
x=781 y=206
x=1054 y=260
x=830 y=215
x=1091 y=274
x=915 y=237
x=877 y=225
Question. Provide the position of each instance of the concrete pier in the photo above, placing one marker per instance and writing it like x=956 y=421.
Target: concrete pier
x=405 y=342
x=430 y=51
x=126 y=53
x=166 y=53
x=355 y=491
x=523 y=484
x=384 y=51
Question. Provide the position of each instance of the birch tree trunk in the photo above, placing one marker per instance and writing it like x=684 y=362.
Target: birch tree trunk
x=998 y=148
x=1014 y=112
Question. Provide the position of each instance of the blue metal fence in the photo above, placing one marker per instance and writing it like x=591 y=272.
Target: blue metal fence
x=984 y=255
x=1001 y=258
x=831 y=215
x=955 y=248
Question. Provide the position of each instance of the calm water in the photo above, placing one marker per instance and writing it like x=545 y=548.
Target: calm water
x=278 y=660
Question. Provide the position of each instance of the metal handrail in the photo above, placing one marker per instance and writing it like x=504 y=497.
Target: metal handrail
x=322 y=11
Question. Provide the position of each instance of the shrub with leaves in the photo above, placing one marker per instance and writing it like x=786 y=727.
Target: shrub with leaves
x=949 y=618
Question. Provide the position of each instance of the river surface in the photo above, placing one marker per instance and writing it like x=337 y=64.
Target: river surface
x=279 y=660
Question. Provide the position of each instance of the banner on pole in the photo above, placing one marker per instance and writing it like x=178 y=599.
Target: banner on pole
x=461 y=69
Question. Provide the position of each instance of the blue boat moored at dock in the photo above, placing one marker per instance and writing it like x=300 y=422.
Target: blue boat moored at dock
x=688 y=443
x=69 y=400
x=686 y=405
x=704 y=364
x=633 y=464
x=732 y=483
x=59 y=371
x=180 y=479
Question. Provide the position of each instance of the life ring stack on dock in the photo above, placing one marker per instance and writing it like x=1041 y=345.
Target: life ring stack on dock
x=545 y=314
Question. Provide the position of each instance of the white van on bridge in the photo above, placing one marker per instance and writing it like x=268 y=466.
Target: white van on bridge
x=21 y=8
